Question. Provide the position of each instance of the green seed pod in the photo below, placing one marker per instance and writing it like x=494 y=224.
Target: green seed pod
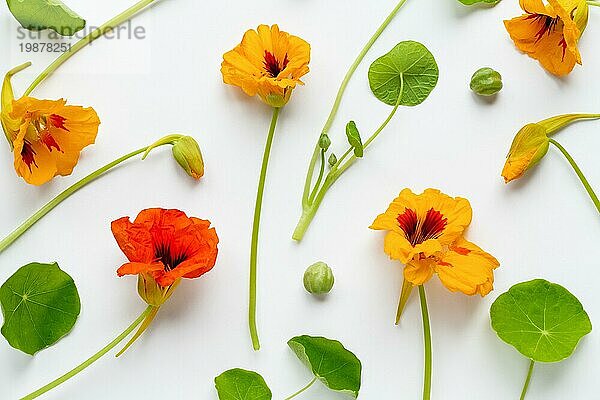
x=486 y=82
x=318 y=279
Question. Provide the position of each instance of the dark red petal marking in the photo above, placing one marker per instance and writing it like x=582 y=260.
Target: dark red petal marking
x=28 y=155
x=57 y=121
x=461 y=250
x=419 y=230
x=49 y=141
x=170 y=258
x=272 y=65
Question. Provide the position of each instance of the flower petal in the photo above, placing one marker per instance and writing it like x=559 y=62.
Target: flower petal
x=467 y=268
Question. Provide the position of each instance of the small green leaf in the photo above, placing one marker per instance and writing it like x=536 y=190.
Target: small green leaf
x=40 y=305
x=37 y=15
x=542 y=320
x=239 y=384
x=486 y=2
x=354 y=139
x=405 y=76
x=330 y=362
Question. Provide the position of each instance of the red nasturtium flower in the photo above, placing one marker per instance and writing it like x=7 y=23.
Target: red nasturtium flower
x=164 y=246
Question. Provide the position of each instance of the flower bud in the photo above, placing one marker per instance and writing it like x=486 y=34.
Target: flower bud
x=151 y=292
x=486 y=82
x=187 y=153
x=318 y=279
x=528 y=148
x=332 y=160
x=324 y=142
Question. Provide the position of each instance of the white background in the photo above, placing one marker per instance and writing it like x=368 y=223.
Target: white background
x=543 y=226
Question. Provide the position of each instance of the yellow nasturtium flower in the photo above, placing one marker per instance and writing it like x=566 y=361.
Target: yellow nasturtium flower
x=267 y=62
x=426 y=233
x=550 y=32
x=531 y=144
x=46 y=136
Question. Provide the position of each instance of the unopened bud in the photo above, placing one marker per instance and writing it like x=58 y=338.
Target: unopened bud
x=187 y=153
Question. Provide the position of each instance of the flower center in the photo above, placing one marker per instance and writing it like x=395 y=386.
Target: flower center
x=548 y=25
x=169 y=259
x=418 y=230
x=272 y=65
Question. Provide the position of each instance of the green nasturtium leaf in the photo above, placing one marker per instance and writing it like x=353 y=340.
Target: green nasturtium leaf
x=40 y=305
x=239 y=384
x=354 y=139
x=330 y=362
x=486 y=2
x=37 y=15
x=542 y=320
x=405 y=76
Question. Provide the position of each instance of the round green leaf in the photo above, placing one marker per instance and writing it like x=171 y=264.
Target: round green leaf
x=406 y=75
x=40 y=305
x=239 y=384
x=542 y=320
x=330 y=362
x=37 y=15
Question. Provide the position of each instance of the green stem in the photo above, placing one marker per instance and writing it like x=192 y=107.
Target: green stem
x=427 y=339
x=309 y=210
x=527 y=380
x=12 y=237
x=92 y=36
x=319 y=179
x=256 y=229
x=340 y=95
x=305 y=388
x=594 y=3
x=90 y=360
x=579 y=173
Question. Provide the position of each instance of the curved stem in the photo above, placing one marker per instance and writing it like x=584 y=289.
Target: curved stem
x=256 y=229
x=12 y=237
x=427 y=340
x=309 y=210
x=96 y=34
x=305 y=388
x=579 y=173
x=340 y=95
x=90 y=360
x=527 y=380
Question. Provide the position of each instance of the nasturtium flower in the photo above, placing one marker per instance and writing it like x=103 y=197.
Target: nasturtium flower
x=532 y=141
x=46 y=136
x=164 y=246
x=268 y=63
x=426 y=233
x=528 y=148
x=550 y=32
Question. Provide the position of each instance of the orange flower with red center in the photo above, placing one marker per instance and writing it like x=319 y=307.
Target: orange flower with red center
x=550 y=32
x=50 y=138
x=425 y=232
x=46 y=136
x=166 y=245
x=267 y=62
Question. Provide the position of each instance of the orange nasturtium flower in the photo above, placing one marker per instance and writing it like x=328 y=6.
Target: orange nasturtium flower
x=269 y=63
x=425 y=232
x=550 y=32
x=163 y=247
x=46 y=136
